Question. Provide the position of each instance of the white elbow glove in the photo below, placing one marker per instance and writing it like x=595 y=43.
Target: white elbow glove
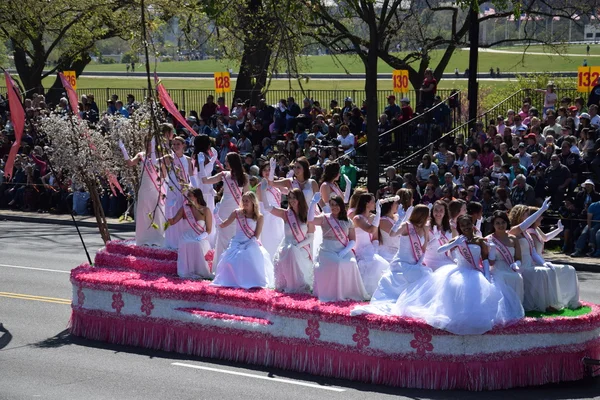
x=348 y=189
x=290 y=174
x=516 y=266
x=263 y=194
x=486 y=270
x=534 y=217
x=375 y=244
x=396 y=225
x=478 y=224
x=124 y=151
x=307 y=240
x=312 y=208
x=202 y=236
x=548 y=265
x=272 y=166
x=449 y=246
x=537 y=259
x=347 y=249
x=408 y=213
x=492 y=251
x=559 y=228
x=377 y=218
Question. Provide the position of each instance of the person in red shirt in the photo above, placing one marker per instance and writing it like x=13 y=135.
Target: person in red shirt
x=406 y=111
x=428 y=89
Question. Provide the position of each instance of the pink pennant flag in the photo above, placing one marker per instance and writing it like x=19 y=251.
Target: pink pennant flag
x=17 y=117
x=71 y=94
x=166 y=101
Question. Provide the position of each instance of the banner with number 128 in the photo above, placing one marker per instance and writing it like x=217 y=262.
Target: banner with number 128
x=222 y=82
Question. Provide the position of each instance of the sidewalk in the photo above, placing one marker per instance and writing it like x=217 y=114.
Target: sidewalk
x=589 y=264
x=64 y=219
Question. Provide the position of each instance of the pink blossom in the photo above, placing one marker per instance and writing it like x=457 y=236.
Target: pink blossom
x=422 y=343
x=361 y=337
x=117 y=302
x=147 y=305
x=312 y=330
x=80 y=297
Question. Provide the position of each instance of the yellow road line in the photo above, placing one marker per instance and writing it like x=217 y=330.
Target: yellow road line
x=35 y=298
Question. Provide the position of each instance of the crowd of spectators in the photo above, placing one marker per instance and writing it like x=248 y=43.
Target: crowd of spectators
x=550 y=149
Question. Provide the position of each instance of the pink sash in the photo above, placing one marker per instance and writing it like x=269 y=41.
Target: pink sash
x=233 y=188
x=534 y=235
x=339 y=233
x=442 y=240
x=276 y=193
x=335 y=188
x=243 y=223
x=292 y=221
x=468 y=255
x=153 y=175
x=530 y=242
x=189 y=217
x=501 y=247
x=185 y=177
x=415 y=242
x=295 y=184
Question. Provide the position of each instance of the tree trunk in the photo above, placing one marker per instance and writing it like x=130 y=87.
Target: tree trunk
x=98 y=210
x=372 y=117
x=256 y=58
x=29 y=74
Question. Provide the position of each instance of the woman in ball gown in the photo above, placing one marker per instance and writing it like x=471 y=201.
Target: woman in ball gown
x=150 y=202
x=507 y=264
x=193 y=244
x=460 y=298
x=407 y=266
x=336 y=272
x=366 y=226
x=235 y=183
x=245 y=264
x=293 y=260
x=568 y=284
x=388 y=245
x=329 y=186
x=301 y=180
x=440 y=233
x=269 y=198
x=206 y=158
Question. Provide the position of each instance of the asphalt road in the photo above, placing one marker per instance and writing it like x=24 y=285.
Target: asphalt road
x=38 y=359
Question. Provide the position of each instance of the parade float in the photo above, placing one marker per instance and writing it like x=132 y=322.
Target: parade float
x=132 y=296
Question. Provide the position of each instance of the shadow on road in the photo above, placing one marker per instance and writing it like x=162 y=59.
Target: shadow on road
x=584 y=389
x=5 y=338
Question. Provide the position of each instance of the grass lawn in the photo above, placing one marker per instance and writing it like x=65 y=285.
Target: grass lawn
x=460 y=60
x=562 y=313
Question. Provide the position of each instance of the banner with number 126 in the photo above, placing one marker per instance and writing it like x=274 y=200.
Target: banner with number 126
x=222 y=82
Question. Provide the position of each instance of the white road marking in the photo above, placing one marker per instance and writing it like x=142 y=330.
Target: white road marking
x=35 y=269
x=224 y=371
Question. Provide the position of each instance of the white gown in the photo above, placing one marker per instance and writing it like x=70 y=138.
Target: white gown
x=209 y=194
x=371 y=265
x=541 y=284
x=227 y=205
x=503 y=272
x=245 y=264
x=337 y=278
x=149 y=195
x=388 y=246
x=459 y=299
x=293 y=265
x=404 y=270
x=191 y=262
x=175 y=201
x=566 y=275
x=432 y=258
x=308 y=194
x=272 y=233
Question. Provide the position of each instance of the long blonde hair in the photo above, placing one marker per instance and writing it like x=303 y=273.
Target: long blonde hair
x=254 y=200
x=355 y=196
x=518 y=214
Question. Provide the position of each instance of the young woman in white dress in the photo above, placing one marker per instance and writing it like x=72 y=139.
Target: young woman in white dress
x=459 y=298
x=176 y=170
x=336 y=272
x=150 y=201
x=301 y=180
x=329 y=186
x=193 y=243
x=235 y=182
x=245 y=264
x=366 y=227
x=271 y=197
x=568 y=284
x=541 y=283
x=407 y=265
x=440 y=234
x=456 y=208
x=205 y=157
x=507 y=263
x=293 y=261
x=354 y=201
x=388 y=244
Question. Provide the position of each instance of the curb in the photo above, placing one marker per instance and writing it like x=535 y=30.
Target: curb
x=558 y=258
x=125 y=226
